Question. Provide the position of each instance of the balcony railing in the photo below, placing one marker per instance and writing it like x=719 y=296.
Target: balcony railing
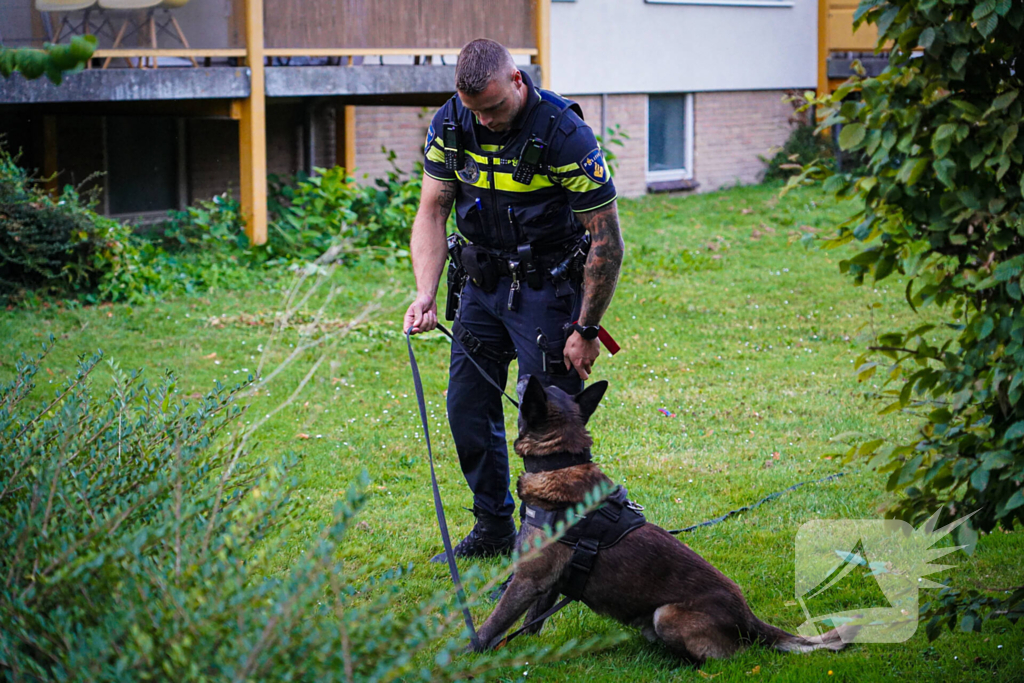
x=151 y=33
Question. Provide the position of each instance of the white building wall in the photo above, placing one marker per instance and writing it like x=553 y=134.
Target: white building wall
x=634 y=46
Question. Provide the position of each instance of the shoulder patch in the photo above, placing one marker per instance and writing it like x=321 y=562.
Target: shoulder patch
x=594 y=167
x=430 y=138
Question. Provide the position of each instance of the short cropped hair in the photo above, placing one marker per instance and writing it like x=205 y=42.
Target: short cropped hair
x=480 y=61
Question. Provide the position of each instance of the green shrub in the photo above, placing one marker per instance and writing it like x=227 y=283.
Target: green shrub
x=803 y=146
x=139 y=539
x=942 y=202
x=59 y=246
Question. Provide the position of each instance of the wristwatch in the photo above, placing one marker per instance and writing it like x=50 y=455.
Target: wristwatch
x=588 y=332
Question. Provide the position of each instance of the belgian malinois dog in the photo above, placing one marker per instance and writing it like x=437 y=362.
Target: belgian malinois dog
x=649 y=579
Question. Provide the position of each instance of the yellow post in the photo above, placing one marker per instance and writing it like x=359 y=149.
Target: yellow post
x=252 y=130
x=350 y=140
x=822 y=47
x=542 y=27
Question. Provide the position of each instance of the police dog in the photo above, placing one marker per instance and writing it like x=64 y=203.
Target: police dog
x=649 y=579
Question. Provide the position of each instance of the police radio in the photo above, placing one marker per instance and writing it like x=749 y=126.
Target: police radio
x=529 y=161
x=454 y=153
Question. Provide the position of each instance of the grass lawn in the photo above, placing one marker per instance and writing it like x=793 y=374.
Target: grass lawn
x=746 y=337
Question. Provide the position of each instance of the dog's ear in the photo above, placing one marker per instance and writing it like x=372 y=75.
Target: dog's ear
x=589 y=398
x=534 y=404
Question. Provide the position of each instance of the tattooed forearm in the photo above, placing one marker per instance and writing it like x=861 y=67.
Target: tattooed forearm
x=446 y=200
x=603 y=262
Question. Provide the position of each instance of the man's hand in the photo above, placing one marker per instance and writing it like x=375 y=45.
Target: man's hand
x=581 y=354
x=429 y=249
x=422 y=314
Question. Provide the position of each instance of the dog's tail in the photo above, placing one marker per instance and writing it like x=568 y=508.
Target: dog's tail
x=836 y=639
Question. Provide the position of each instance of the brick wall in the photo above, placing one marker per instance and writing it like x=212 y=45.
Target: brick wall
x=402 y=129
x=212 y=158
x=630 y=112
x=731 y=129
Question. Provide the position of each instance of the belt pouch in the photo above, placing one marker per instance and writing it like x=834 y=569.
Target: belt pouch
x=480 y=267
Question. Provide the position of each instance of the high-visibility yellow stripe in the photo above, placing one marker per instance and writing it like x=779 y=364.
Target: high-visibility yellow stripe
x=491 y=148
x=580 y=184
x=435 y=154
x=564 y=169
x=504 y=182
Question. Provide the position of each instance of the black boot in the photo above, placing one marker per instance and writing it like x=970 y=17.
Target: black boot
x=491 y=535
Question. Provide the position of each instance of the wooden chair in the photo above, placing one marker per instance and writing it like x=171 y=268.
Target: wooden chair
x=151 y=26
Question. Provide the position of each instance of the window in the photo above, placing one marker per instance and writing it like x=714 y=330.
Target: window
x=669 y=137
x=143 y=158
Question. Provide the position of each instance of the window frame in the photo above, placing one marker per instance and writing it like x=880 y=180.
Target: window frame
x=685 y=173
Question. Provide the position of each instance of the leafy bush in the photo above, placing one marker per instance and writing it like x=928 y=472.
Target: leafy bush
x=138 y=545
x=53 y=60
x=59 y=245
x=64 y=248
x=803 y=146
x=314 y=212
x=942 y=205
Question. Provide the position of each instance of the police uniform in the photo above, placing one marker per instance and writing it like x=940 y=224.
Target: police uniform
x=502 y=217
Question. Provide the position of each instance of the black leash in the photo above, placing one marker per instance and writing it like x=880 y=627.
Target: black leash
x=469 y=357
x=772 y=496
x=438 y=507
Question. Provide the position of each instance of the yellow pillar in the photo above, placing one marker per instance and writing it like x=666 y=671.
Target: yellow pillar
x=542 y=28
x=350 y=140
x=822 y=47
x=252 y=130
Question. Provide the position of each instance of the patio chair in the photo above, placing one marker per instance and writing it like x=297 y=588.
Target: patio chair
x=151 y=25
x=64 y=9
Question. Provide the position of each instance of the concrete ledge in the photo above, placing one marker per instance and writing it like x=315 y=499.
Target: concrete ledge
x=365 y=80
x=130 y=85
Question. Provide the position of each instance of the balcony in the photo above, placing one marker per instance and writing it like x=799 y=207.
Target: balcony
x=224 y=58
x=200 y=49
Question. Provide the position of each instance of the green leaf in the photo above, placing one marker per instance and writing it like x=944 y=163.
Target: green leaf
x=851 y=135
x=945 y=171
x=1015 y=431
x=959 y=59
x=1003 y=6
x=1009 y=135
x=31 y=63
x=945 y=131
x=926 y=38
x=984 y=9
x=1003 y=101
x=1015 y=501
x=967 y=623
x=987 y=24
x=7 y=64
x=979 y=478
x=911 y=170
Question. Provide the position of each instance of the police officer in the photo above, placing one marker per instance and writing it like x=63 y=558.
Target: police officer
x=527 y=181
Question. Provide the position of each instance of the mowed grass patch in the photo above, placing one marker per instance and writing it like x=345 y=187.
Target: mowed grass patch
x=726 y=322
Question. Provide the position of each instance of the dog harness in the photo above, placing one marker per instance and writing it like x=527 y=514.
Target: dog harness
x=602 y=528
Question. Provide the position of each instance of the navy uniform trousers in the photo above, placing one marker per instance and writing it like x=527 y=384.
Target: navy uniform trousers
x=474 y=406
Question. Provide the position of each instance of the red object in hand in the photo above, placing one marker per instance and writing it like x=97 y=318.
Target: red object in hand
x=609 y=343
